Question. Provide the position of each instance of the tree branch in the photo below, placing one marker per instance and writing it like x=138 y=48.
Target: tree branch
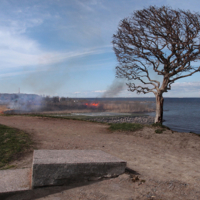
x=173 y=80
x=159 y=38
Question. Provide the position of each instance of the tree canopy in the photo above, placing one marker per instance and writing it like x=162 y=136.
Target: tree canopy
x=162 y=38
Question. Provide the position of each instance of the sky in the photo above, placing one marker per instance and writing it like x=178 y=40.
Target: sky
x=63 y=47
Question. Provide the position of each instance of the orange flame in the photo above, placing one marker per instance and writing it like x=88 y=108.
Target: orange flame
x=92 y=104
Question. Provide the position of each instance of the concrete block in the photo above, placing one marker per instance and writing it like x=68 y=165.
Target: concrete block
x=58 y=167
x=15 y=180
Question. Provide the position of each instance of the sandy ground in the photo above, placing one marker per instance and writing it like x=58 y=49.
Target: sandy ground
x=167 y=164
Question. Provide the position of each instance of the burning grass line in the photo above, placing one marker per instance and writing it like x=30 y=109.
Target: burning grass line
x=13 y=142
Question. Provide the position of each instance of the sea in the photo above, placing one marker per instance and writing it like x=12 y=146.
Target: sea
x=180 y=114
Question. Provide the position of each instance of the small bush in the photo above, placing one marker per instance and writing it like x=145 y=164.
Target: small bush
x=125 y=127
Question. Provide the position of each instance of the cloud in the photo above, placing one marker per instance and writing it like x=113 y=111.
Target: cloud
x=17 y=58
x=90 y=5
x=187 y=84
x=10 y=74
x=184 y=89
x=188 y=87
x=17 y=49
x=99 y=91
x=84 y=5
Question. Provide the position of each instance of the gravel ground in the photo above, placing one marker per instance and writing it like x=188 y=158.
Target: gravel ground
x=141 y=120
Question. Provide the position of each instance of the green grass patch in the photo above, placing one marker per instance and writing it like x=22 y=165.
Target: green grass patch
x=160 y=127
x=125 y=127
x=159 y=131
x=13 y=142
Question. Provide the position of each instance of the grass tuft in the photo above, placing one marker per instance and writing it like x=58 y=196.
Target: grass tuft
x=125 y=127
x=159 y=130
x=13 y=142
x=160 y=127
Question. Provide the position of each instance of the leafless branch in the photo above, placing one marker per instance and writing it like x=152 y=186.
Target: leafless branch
x=163 y=39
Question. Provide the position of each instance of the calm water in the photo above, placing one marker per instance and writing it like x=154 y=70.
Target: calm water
x=180 y=114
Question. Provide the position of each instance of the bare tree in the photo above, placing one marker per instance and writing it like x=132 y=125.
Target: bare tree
x=162 y=40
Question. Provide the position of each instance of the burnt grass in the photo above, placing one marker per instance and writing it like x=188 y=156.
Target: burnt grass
x=13 y=142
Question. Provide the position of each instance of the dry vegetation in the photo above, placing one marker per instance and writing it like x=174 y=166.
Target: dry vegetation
x=24 y=104
x=127 y=106
x=106 y=105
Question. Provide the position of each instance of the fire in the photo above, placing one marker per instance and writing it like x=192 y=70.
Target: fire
x=92 y=104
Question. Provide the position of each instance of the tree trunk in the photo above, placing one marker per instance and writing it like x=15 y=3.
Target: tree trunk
x=159 y=108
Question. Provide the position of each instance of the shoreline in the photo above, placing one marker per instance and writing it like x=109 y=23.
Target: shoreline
x=134 y=117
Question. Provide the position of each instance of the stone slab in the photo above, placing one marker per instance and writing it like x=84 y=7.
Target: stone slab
x=15 y=180
x=58 y=167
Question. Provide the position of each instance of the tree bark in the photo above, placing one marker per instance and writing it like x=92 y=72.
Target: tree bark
x=159 y=108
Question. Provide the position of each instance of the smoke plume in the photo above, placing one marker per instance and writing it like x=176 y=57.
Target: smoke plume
x=115 y=88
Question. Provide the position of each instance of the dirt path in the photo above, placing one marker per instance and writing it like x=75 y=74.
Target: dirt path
x=168 y=162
